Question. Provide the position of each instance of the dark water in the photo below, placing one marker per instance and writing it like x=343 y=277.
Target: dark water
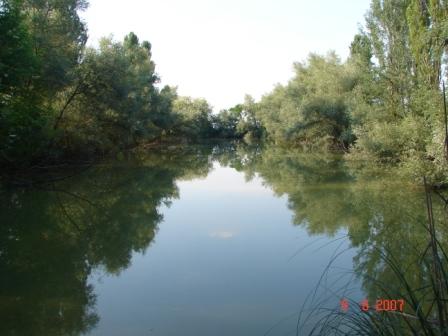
x=224 y=240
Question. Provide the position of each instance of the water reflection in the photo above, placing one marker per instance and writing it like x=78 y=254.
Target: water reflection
x=385 y=217
x=54 y=236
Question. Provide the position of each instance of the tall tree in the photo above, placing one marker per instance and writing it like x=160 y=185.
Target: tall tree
x=428 y=38
x=58 y=36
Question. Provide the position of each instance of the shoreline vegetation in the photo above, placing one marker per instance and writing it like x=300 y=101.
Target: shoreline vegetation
x=65 y=106
x=61 y=101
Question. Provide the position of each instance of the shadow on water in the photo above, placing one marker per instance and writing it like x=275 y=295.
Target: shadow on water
x=54 y=236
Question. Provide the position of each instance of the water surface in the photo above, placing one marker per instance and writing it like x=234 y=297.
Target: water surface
x=224 y=240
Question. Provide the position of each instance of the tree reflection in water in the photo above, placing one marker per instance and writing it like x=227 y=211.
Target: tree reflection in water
x=383 y=215
x=53 y=237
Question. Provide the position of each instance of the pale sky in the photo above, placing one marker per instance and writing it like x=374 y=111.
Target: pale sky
x=222 y=49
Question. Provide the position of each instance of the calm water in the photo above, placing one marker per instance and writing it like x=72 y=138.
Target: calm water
x=224 y=240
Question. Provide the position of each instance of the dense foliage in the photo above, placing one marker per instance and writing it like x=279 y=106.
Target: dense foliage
x=384 y=103
x=397 y=105
x=312 y=108
x=240 y=121
x=59 y=99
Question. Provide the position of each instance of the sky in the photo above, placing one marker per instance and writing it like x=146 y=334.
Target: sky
x=222 y=50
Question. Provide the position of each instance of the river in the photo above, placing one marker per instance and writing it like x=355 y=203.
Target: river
x=203 y=240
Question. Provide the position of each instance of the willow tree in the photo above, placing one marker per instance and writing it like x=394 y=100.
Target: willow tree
x=311 y=108
x=116 y=100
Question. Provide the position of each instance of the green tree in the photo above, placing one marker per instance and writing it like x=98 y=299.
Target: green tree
x=311 y=109
x=227 y=122
x=20 y=115
x=58 y=36
x=396 y=105
x=194 y=117
x=116 y=101
x=43 y=41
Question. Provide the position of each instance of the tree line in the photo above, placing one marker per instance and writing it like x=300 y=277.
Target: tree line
x=385 y=103
x=60 y=99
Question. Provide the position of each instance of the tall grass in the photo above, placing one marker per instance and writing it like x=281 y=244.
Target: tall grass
x=426 y=306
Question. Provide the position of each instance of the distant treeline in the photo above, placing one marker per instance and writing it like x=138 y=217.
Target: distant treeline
x=60 y=99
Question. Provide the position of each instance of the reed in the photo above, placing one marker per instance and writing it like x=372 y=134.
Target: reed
x=426 y=307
